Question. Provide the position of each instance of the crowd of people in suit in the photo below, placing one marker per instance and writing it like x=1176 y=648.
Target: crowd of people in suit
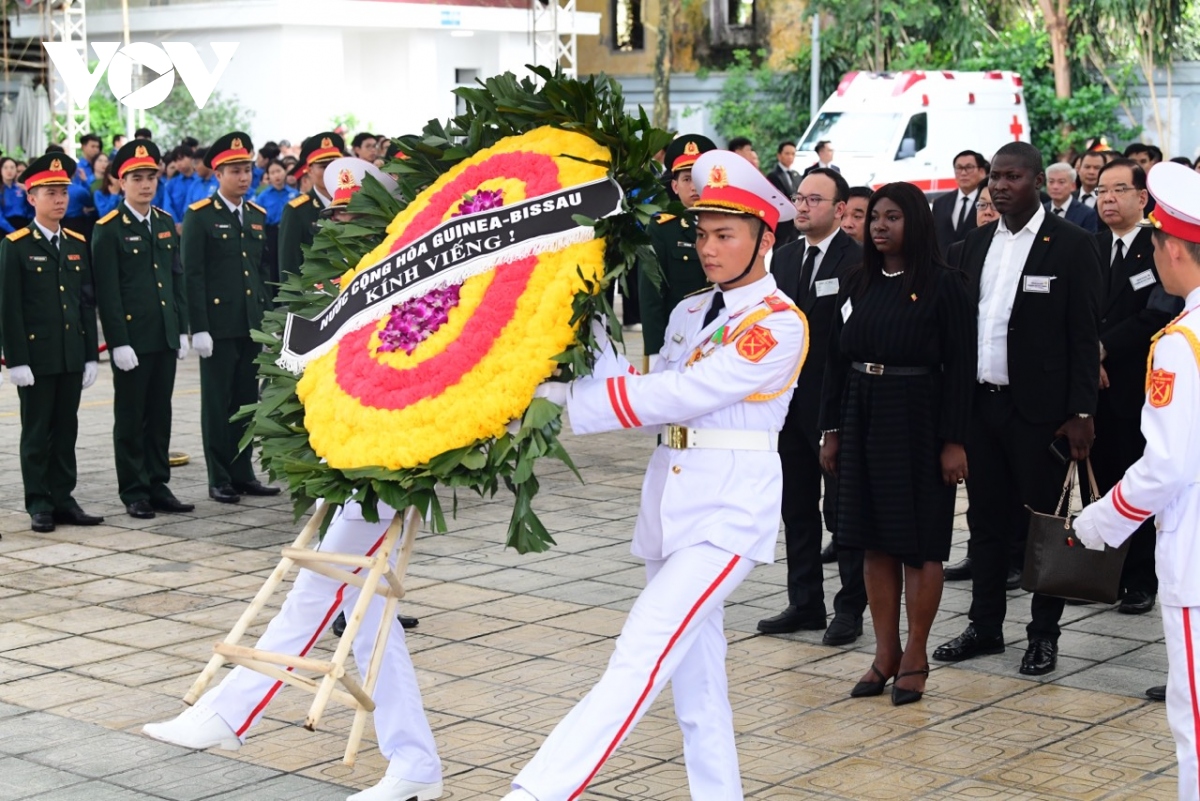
x=988 y=338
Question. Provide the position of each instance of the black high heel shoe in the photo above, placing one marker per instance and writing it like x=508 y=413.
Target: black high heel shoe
x=901 y=696
x=866 y=689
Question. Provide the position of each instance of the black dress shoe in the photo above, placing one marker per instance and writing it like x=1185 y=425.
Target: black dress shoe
x=223 y=494
x=1040 y=658
x=142 y=510
x=901 y=696
x=828 y=554
x=172 y=504
x=1013 y=581
x=76 y=517
x=256 y=487
x=843 y=630
x=41 y=522
x=959 y=571
x=869 y=689
x=1136 y=602
x=792 y=620
x=969 y=645
x=339 y=623
x=1158 y=693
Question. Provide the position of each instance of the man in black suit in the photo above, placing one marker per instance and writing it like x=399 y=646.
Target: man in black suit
x=809 y=271
x=954 y=213
x=824 y=158
x=785 y=179
x=1060 y=186
x=1037 y=280
x=1134 y=308
x=1090 y=164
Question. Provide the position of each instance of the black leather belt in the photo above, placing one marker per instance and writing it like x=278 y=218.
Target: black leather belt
x=986 y=387
x=879 y=369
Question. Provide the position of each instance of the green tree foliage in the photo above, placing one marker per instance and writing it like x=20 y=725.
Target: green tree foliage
x=764 y=106
x=177 y=117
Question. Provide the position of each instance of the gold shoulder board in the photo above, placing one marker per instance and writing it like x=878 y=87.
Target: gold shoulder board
x=74 y=234
x=107 y=217
x=199 y=204
x=19 y=233
x=298 y=201
x=662 y=218
x=254 y=205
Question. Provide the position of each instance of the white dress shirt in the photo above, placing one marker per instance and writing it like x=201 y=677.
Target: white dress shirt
x=236 y=208
x=971 y=199
x=823 y=246
x=1066 y=206
x=46 y=232
x=1002 y=268
x=1088 y=198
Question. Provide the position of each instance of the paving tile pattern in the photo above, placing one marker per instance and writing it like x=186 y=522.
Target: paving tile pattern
x=104 y=629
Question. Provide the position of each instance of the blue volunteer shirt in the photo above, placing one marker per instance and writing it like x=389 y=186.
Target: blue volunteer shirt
x=273 y=200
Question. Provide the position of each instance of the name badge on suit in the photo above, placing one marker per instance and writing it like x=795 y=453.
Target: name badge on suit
x=829 y=286
x=1142 y=280
x=1038 y=283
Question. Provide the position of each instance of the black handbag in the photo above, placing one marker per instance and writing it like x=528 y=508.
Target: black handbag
x=1058 y=564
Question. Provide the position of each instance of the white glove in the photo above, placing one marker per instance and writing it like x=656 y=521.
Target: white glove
x=553 y=391
x=184 y=347
x=21 y=376
x=1087 y=533
x=124 y=358
x=203 y=344
x=90 y=371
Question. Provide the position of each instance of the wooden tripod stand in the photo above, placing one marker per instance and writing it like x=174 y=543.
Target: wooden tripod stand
x=372 y=575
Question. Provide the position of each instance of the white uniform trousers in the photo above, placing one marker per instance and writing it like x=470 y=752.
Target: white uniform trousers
x=1182 y=627
x=314 y=601
x=675 y=632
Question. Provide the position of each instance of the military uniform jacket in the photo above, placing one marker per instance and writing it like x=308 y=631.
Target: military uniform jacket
x=1165 y=482
x=729 y=498
x=47 y=306
x=674 y=240
x=222 y=262
x=142 y=302
x=296 y=228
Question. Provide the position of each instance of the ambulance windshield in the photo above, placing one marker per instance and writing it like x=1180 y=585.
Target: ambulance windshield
x=853 y=132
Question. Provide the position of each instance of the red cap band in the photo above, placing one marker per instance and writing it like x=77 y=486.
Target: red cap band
x=733 y=200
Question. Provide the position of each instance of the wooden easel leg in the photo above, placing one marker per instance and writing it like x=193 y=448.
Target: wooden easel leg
x=353 y=623
x=264 y=594
x=412 y=523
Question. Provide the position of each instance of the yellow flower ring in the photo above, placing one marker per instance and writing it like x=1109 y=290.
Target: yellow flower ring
x=367 y=407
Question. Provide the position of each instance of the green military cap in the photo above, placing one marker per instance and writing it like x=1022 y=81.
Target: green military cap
x=136 y=154
x=232 y=148
x=682 y=153
x=317 y=148
x=49 y=170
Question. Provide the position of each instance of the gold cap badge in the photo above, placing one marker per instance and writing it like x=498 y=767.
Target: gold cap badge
x=56 y=166
x=690 y=149
x=236 y=144
x=141 y=152
x=346 y=179
x=718 y=178
x=326 y=142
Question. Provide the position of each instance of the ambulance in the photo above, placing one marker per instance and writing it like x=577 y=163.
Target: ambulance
x=908 y=126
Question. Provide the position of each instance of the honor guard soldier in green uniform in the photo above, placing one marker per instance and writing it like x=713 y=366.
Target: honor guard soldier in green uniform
x=226 y=291
x=300 y=215
x=143 y=309
x=48 y=314
x=674 y=240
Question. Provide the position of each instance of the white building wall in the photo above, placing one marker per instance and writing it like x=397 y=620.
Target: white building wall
x=300 y=63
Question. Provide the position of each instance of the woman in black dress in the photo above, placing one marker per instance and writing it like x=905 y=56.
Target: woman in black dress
x=895 y=407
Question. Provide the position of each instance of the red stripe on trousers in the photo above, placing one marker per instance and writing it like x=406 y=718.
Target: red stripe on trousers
x=1191 y=669
x=616 y=404
x=337 y=601
x=654 y=674
x=633 y=418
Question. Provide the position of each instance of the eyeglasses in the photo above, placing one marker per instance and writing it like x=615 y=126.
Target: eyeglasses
x=966 y=167
x=811 y=200
x=985 y=206
x=1116 y=191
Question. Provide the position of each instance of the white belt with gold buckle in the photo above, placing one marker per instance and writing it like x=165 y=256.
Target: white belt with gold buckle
x=722 y=439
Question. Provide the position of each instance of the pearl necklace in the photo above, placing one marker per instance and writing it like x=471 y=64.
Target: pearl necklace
x=886 y=274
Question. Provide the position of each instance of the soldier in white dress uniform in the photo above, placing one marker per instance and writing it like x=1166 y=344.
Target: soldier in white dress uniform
x=223 y=717
x=1165 y=482
x=711 y=496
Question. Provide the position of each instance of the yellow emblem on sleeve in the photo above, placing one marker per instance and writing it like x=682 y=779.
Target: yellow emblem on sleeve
x=1162 y=388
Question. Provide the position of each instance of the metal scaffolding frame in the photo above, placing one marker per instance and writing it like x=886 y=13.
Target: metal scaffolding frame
x=68 y=24
x=554 y=40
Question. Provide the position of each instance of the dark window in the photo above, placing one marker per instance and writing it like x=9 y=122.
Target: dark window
x=464 y=77
x=628 y=33
x=917 y=130
x=741 y=13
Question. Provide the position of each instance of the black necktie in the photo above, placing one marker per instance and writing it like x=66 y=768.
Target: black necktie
x=962 y=215
x=714 y=308
x=806 y=271
x=1058 y=211
x=54 y=241
x=1119 y=258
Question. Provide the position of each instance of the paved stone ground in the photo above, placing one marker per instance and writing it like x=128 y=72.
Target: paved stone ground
x=104 y=629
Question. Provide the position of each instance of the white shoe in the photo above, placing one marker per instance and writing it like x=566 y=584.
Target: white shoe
x=519 y=795
x=197 y=727
x=391 y=788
